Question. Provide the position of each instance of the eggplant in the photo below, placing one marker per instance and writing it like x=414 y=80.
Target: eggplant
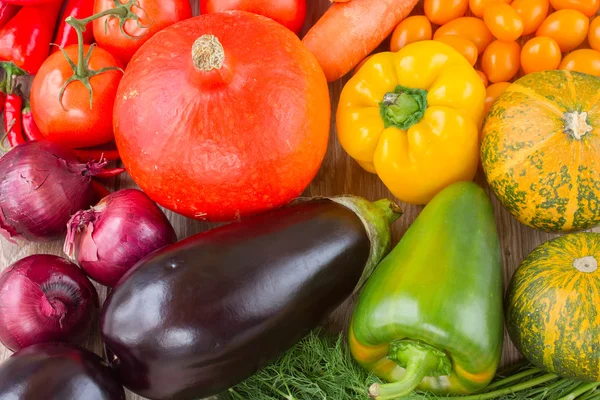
x=199 y=316
x=58 y=371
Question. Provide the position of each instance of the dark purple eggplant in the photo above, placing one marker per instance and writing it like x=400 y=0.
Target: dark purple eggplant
x=199 y=316
x=58 y=371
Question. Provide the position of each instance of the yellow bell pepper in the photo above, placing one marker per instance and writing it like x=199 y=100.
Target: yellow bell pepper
x=413 y=118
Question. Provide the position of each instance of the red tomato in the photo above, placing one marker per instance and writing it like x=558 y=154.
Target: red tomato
x=540 y=54
x=492 y=93
x=412 y=29
x=470 y=28
x=501 y=61
x=504 y=21
x=568 y=27
x=76 y=125
x=533 y=12
x=478 y=6
x=214 y=127
x=463 y=46
x=582 y=60
x=443 y=11
x=289 y=13
x=156 y=14
x=587 y=7
x=594 y=34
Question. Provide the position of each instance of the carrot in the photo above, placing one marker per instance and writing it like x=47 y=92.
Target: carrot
x=348 y=32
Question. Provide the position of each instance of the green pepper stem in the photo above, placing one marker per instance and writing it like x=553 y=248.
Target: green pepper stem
x=403 y=107
x=419 y=360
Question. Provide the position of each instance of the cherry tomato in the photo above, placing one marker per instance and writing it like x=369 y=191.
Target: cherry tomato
x=568 y=27
x=72 y=122
x=360 y=64
x=501 y=61
x=492 y=92
x=582 y=60
x=533 y=12
x=587 y=7
x=470 y=28
x=478 y=6
x=540 y=54
x=462 y=45
x=504 y=21
x=443 y=11
x=594 y=34
x=412 y=29
x=289 y=13
x=484 y=78
x=154 y=15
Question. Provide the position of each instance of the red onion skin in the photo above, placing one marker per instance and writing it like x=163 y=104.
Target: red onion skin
x=45 y=298
x=114 y=235
x=41 y=185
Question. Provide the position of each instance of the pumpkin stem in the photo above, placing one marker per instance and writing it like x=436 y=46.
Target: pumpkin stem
x=576 y=124
x=208 y=53
x=586 y=264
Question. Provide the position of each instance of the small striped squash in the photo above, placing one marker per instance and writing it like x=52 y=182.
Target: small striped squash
x=541 y=150
x=553 y=307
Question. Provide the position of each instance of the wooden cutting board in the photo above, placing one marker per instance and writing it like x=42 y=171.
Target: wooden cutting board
x=338 y=175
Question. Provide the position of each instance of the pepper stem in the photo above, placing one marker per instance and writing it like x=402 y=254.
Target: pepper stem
x=419 y=360
x=403 y=107
x=81 y=71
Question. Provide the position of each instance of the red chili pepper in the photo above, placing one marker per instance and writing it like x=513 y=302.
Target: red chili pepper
x=25 y=40
x=101 y=191
x=13 y=127
x=31 y=2
x=109 y=173
x=7 y=11
x=94 y=154
x=30 y=129
x=66 y=34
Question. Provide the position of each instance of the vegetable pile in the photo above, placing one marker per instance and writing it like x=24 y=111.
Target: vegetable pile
x=226 y=117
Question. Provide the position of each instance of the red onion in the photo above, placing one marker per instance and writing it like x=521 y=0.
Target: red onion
x=112 y=236
x=41 y=185
x=45 y=298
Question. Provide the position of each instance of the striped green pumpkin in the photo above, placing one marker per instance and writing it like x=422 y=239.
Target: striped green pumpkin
x=553 y=306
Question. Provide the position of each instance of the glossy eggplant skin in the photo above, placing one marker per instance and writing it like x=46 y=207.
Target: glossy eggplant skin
x=58 y=371
x=200 y=316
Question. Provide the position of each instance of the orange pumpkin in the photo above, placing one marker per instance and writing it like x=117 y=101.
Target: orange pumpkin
x=541 y=150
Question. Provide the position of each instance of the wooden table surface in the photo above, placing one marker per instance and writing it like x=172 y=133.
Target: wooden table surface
x=339 y=174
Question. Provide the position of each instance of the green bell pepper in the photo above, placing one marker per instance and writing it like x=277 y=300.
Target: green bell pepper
x=431 y=316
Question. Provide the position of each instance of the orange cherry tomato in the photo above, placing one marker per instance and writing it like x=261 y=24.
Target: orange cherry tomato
x=492 y=92
x=582 y=60
x=504 y=21
x=501 y=60
x=443 y=11
x=360 y=64
x=484 y=78
x=462 y=45
x=470 y=28
x=478 y=6
x=533 y=12
x=568 y=27
x=587 y=7
x=412 y=29
x=594 y=34
x=540 y=54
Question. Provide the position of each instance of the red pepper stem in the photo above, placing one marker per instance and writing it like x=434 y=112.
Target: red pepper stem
x=419 y=360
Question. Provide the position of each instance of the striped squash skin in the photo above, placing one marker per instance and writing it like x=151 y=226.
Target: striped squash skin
x=544 y=176
x=553 y=308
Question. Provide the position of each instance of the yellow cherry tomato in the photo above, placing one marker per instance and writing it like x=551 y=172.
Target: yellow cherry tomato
x=587 y=7
x=568 y=27
x=484 y=78
x=470 y=28
x=582 y=60
x=533 y=12
x=443 y=11
x=492 y=92
x=594 y=34
x=478 y=6
x=413 y=29
x=540 y=54
x=501 y=60
x=503 y=21
x=462 y=45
